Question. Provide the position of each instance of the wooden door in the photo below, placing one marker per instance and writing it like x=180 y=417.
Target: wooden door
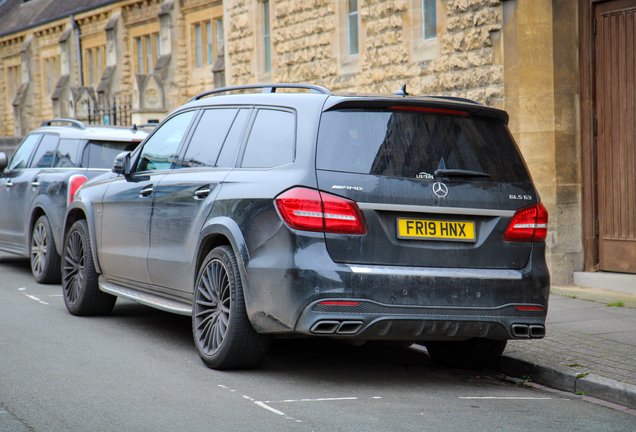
x=615 y=43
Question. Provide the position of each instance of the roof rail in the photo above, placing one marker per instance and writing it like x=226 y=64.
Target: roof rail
x=455 y=98
x=265 y=88
x=71 y=122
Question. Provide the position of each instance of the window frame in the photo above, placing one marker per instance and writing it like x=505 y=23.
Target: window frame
x=136 y=154
x=352 y=17
x=248 y=132
x=267 y=36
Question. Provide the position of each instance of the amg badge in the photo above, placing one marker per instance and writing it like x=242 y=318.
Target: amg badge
x=355 y=188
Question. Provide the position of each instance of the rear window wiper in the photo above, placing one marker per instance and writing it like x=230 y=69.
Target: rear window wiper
x=459 y=173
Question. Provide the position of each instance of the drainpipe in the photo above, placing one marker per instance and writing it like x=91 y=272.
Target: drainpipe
x=76 y=27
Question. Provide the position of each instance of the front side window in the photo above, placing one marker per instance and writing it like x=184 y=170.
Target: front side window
x=429 y=20
x=352 y=22
x=272 y=141
x=43 y=157
x=23 y=153
x=160 y=150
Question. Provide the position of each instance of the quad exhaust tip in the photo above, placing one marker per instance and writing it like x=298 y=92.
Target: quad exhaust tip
x=336 y=327
x=524 y=331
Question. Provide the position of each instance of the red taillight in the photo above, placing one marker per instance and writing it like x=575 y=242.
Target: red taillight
x=74 y=184
x=340 y=303
x=528 y=224
x=429 y=110
x=311 y=210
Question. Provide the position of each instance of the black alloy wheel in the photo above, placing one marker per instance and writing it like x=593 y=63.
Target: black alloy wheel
x=79 y=278
x=223 y=335
x=45 y=261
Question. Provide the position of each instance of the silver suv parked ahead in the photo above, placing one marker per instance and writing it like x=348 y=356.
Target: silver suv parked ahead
x=39 y=181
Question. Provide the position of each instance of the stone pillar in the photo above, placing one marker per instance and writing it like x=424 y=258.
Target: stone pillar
x=541 y=96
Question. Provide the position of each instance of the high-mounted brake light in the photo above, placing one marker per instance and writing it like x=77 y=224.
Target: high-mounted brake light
x=528 y=224
x=311 y=210
x=74 y=184
x=429 y=110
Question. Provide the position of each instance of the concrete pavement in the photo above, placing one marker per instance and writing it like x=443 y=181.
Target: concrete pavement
x=589 y=349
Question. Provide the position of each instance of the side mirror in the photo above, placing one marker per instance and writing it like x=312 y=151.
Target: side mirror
x=122 y=164
x=4 y=162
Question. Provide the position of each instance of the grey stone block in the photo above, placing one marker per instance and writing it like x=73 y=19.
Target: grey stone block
x=607 y=389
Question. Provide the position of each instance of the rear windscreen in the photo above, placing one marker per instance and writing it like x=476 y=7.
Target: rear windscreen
x=101 y=154
x=414 y=144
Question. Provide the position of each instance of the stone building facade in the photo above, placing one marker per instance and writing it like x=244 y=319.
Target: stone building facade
x=519 y=55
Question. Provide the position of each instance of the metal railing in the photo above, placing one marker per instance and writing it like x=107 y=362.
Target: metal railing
x=110 y=112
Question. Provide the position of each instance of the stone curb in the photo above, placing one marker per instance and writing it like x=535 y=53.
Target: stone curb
x=559 y=377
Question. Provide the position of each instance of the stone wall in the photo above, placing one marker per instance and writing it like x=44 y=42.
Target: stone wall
x=306 y=47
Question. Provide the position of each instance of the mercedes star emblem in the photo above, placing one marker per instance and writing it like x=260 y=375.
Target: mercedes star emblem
x=440 y=189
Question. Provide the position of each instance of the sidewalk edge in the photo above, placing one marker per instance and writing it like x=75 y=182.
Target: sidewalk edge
x=559 y=377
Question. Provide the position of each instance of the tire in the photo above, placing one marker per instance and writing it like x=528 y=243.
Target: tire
x=79 y=279
x=476 y=353
x=45 y=261
x=223 y=335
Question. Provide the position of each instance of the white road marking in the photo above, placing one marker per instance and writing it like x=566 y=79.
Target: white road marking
x=21 y=289
x=505 y=397
x=32 y=297
x=56 y=295
x=269 y=408
x=314 y=400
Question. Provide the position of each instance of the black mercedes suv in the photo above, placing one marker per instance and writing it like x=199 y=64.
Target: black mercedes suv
x=281 y=209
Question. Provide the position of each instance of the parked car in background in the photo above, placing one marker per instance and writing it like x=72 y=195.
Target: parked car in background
x=357 y=217
x=39 y=181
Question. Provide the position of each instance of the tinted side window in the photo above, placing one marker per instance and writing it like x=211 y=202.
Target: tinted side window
x=411 y=144
x=66 y=154
x=160 y=150
x=23 y=153
x=208 y=138
x=227 y=158
x=272 y=140
x=101 y=154
x=43 y=157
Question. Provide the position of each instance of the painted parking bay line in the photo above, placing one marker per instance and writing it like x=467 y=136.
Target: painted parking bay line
x=506 y=397
x=32 y=297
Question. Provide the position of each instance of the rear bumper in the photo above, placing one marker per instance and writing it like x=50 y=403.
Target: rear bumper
x=287 y=281
x=374 y=321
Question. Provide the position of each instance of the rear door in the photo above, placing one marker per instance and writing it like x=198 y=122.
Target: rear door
x=185 y=196
x=437 y=187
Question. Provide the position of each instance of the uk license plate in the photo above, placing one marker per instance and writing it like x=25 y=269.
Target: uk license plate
x=426 y=229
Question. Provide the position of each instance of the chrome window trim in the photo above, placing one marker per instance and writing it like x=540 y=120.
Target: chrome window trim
x=435 y=209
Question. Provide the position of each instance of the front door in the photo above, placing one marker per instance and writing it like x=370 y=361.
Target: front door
x=127 y=203
x=616 y=134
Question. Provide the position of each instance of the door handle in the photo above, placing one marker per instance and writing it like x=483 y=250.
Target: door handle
x=145 y=192
x=35 y=183
x=9 y=184
x=202 y=193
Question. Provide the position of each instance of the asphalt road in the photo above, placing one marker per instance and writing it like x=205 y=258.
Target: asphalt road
x=137 y=370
